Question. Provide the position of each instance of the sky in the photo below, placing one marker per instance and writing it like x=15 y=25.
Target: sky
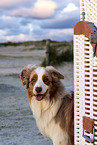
x=30 y=20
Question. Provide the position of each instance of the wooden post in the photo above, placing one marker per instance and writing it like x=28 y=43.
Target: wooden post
x=47 y=52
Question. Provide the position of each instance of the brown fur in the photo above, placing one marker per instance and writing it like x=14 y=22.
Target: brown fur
x=64 y=116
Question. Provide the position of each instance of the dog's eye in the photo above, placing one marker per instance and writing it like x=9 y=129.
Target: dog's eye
x=33 y=80
x=46 y=80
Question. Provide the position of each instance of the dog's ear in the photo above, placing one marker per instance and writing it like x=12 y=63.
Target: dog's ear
x=54 y=72
x=25 y=75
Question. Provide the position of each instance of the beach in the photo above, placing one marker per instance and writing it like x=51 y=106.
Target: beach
x=17 y=125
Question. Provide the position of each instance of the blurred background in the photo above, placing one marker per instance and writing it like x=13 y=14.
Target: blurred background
x=31 y=32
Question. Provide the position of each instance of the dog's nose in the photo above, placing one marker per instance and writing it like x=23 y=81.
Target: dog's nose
x=38 y=89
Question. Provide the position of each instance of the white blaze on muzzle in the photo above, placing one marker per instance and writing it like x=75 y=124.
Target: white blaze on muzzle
x=40 y=84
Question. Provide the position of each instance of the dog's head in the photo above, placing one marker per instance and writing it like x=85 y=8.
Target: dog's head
x=41 y=81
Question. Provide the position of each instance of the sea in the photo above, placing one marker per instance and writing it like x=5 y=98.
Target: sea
x=17 y=125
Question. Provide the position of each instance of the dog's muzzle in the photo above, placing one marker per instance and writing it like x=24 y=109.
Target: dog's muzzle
x=40 y=97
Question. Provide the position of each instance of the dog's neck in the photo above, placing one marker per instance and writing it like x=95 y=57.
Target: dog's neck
x=40 y=108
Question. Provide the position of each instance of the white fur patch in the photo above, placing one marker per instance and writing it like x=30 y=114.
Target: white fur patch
x=40 y=71
x=44 y=113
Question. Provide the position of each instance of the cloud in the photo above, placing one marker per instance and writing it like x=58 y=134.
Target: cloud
x=76 y=2
x=24 y=21
x=42 y=9
x=20 y=37
x=7 y=22
x=14 y=3
x=2 y=32
x=61 y=35
x=70 y=7
x=60 y=24
x=62 y=21
x=66 y=18
x=12 y=26
x=54 y=34
x=7 y=3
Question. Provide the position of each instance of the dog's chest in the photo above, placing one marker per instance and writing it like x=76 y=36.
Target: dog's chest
x=44 y=113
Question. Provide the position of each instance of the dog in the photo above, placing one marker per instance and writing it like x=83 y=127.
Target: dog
x=50 y=102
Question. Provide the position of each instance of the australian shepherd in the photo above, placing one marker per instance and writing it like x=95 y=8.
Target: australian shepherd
x=50 y=102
